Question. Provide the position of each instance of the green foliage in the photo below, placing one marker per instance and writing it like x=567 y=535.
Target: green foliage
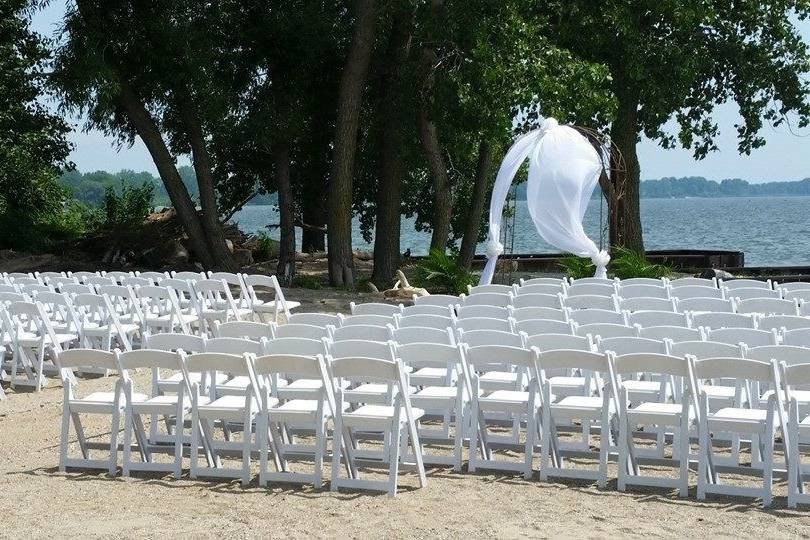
x=306 y=281
x=577 y=267
x=267 y=247
x=441 y=272
x=129 y=209
x=626 y=263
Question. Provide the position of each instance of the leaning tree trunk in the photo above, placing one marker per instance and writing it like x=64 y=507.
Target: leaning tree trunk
x=286 y=254
x=147 y=129
x=350 y=95
x=391 y=170
x=625 y=213
x=481 y=181
x=223 y=258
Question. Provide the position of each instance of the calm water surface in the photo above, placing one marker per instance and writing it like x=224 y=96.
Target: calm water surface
x=772 y=231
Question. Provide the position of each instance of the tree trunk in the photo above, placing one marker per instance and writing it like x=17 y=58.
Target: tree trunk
x=286 y=255
x=391 y=169
x=350 y=95
x=223 y=258
x=481 y=181
x=625 y=214
x=442 y=194
x=149 y=133
x=314 y=216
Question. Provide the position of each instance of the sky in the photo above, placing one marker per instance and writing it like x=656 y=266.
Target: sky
x=786 y=155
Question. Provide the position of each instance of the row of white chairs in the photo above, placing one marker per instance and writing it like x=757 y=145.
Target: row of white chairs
x=631 y=377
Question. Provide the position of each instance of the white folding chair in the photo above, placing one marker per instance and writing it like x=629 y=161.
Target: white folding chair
x=769 y=306
x=118 y=276
x=797 y=432
x=82 y=277
x=653 y=412
x=174 y=407
x=598 y=316
x=802 y=295
x=279 y=304
x=783 y=323
x=537 y=301
x=560 y=282
x=751 y=293
x=533 y=327
x=697 y=291
x=100 y=324
x=691 y=282
x=606 y=330
x=590 y=409
x=172 y=342
x=540 y=288
x=590 y=302
x=366 y=320
x=243 y=329
x=486 y=299
x=374 y=308
x=217 y=304
x=365 y=332
x=424 y=321
x=653 y=282
x=748 y=336
x=316 y=319
x=228 y=410
x=125 y=304
x=424 y=309
x=187 y=276
x=675 y=334
x=108 y=403
x=646 y=304
x=745 y=284
x=600 y=281
x=237 y=385
x=156 y=277
x=492 y=312
x=99 y=281
x=485 y=323
x=308 y=331
x=187 y=298
x=753 y=419
x=161 y=311
x=715 y=321
x=791 y=285
x=72 y=289
x=418 y=334
x=515 y=404
x=591 y=289
x=442 y=300
x=643 y=319
x=799 y=337
x=396 y=420
x=643 y=291
x=706 y=305
x=492 y=288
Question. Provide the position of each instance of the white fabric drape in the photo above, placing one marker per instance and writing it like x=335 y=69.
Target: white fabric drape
x=563 y=172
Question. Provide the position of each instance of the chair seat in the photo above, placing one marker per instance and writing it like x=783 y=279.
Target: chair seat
x=103 y=330
x=578 y=407
x=655 y=413
x=296 y=410
x=432 y=397
x=29 y=339
x=561 y=381
x=176 y=378
x=301 y=388
x=236 y=386
x=426 y=375
x=100 y=402
x=738 y=419
x=230 y=407
x=270 y=306
x=376 y=416
x=368 y=393
x=719 y=392
x=515 y=401
x=160 y=404
x=647 y=387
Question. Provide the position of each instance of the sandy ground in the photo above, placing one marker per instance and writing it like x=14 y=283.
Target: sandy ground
x=38 y=501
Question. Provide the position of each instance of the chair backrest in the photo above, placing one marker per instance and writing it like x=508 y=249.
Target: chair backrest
x=149 y=358
x=9 y=297
x=560 y=282
x=492 y=312
x=374 y=308
x=82 y=275
x=573 y=359
x=492 y=288
x=295 y=346
x=315 y=319
x=72 y=289
x=483 y=355
x=600 y=281
x=593 y=316
x=442 y=300
x=425 y=321
x=769 y=306
x=606 y=330
x=485 y=323
x=799 y=337
x=211 y=293
x=529 y=313
x=243 y=329
x=788 y=354
x=796 y=375
x=136 y=281
x=550 y=342
x=533 y=327
x=33 y=290
x=746 y=284
x=8 y=288
x=171 y=341
x=313 y=367
x=417 y=334
x=360 y=332
x=188 y=276
x=27 y=280
x=360 y=348
x=692 y=281
x=364 y=368
x=631 y=345
x=117 y=276
x=475 y=338
x=99 y=281
x=734 y=368
x=268 y=283
x=122 y=299
x=657 y=363
x=183 y=289
x=802 y=295
x=156 y=277
x=723 y=320
x=367 y=320
x=212 y=362
x=540 y=288
x=646 y=304
x=51 y=277
x=749 y=293
x=706 y=305
x=309 y=331
x=91 y=358
x=486 y=299
x=426 y=309
x=705 y=349
x=657 y=318
x=591 y=289
x=588 y=302
x=655 y=282
x=239 y=346
x=235 y=281
x=696 y=291
x=537 y=300
x=673 y=333
x=424 y=354
x=783 y=322
x=643 y=291
x=749 y=336
x=792 y=285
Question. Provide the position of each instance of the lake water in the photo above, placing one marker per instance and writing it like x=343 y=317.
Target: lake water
x=772 y=231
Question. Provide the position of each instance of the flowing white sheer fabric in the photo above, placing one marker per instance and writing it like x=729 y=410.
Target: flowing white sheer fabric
x=563 y=172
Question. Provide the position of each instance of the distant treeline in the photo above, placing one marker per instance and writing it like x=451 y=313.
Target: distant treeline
x=89 y=187
x=697 y=186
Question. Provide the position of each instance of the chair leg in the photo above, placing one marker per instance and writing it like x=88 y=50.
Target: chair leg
x=127 y=443
x=683 y=443
x=767 y=473
x=393 y=457
x=320 y=444
x=545 y=448
x=624 y=454
x=704 y=471
x=116 y=424
x=338 y=441
x=63 y=443
x=531 y=427
x=794 y=468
